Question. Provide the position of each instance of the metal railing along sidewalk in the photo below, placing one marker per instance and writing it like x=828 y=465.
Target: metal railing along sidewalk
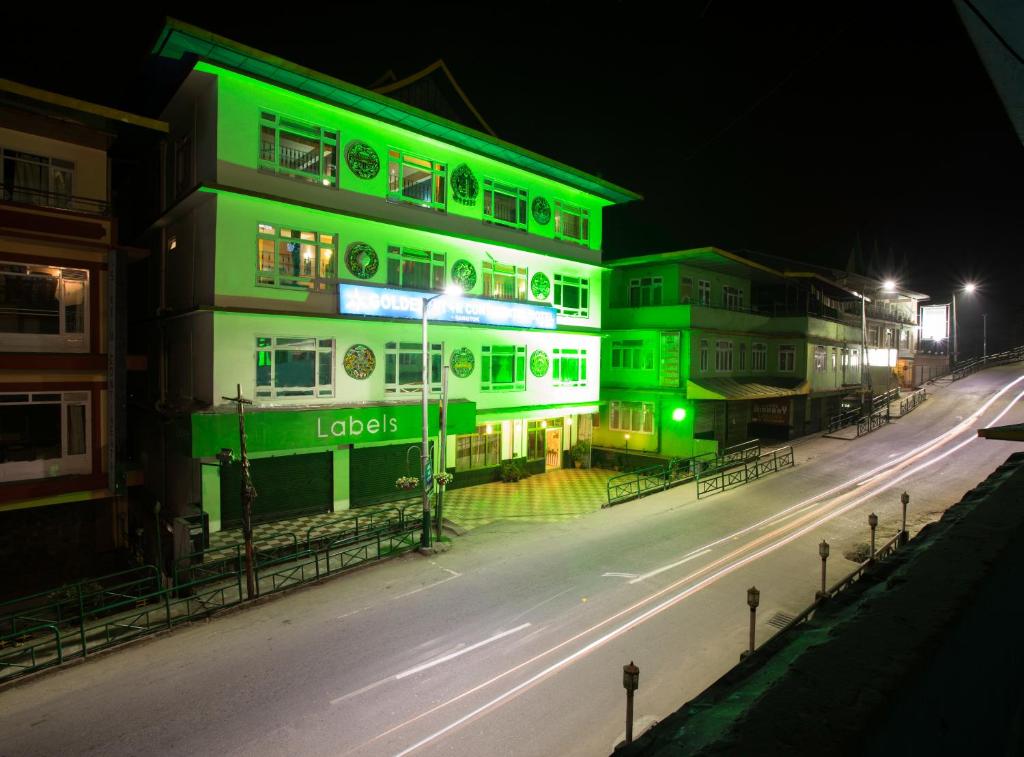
x=721 y=479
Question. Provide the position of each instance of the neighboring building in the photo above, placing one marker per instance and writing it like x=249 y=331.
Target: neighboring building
x=305 y=220
x=61 y=370
x=705 y=349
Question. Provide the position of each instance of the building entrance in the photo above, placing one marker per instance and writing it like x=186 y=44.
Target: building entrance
x=554 y=449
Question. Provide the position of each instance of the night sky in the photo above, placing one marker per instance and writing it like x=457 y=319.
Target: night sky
x=805 y=136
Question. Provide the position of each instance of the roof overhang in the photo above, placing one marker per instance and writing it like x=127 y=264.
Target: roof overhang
x=706 y=258
x=1011 y=433
x=732 y=389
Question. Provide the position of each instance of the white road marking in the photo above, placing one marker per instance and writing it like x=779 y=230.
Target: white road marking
x=453 y=655
x=618 y=575
x=542 y=603
x=692 y=556
x=428 y=586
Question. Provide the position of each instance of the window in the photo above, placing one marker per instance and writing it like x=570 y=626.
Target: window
x=742 y=356
x=723 y=357
x=732 y=298
x=631 y=416
x=832 y=358
x=645 y=291
x=703 y=355
x=572 y=295
x=536 y=437
x=502 y=368
x=787 y=358
x=569 y=367
x=294 y=367
x=704 y=292
x=479 y=450
x=44 y=434
x=504 y=282
x=415 y=269
x=854 y=358
x=758 y=356
x=571 y=222
x=416 y=180
x=403 y=367
x=295 y=259
x=43 y=308
x=183 y=175
x=819 y=360
x=298 y=149
x=630 y=354
x=36 y=179
x=685 y=288
x=505 y=205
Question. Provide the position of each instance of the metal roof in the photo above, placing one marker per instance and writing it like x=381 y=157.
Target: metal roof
x=731 y=389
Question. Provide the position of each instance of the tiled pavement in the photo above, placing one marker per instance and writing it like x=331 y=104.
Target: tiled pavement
x=545 y=498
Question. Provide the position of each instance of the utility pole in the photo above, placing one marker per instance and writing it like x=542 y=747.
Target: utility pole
x=248 y=492
x=442 y=427
x=984 y=336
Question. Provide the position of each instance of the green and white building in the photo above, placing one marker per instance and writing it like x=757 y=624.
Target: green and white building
x=305 y=221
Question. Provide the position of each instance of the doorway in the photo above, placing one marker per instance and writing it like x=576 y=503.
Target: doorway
x=553 y=445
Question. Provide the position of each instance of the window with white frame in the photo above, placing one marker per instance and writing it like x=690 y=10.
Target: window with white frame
x=704 y=292
x=502 y=368
x=572 y=295
x=569 y=367
x=645 y=291
x=294 y=367
x=478 y=450
x=36 y=179
x=819 y=359
x=854 y=358
x=732 y=297
x=416 y=269
x=832 y=359
x=296 y=259
x=44 y=434
x=572 y=222
x=787 y=358
x=299 y=149
x=505 y=204
x=685 y=288
x=403 y=367
x=632 y=417
x=723 y=356
x=504 y=282
x=758 y=356
x=43 y=308
x=703 y=355
x=416 y=180
x=742 y=359
x=632 y=355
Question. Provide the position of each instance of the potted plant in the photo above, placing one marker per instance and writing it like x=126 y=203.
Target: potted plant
x=444 y=478
x=580 y=450
x=407 y=483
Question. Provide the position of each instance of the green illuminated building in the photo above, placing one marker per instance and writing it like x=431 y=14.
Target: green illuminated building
x=704 y=349
x=304 y=222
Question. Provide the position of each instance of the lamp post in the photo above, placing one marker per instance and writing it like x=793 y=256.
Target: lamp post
x=968 y=288
x=631 y=682
x=905 y=500
x=984 y=337
x=823 y=550
x=753 y=600
x=873 y=522
x=425 y=471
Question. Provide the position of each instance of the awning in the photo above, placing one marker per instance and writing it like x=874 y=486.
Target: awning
x=731 y=389
x=532 y=412
x=1012 y=433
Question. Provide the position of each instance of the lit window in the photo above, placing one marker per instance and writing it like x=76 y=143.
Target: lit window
x=819 y=360
x=416 y=180
x=295 y=258
x=479 y=450
x=294 y=367
x=504 y=282
x=631 y=416
x=787 y=358
x=723 y=357
x=502 y=368
x=505 y=205
x=403 y=367
x=630 y=354
x=572 y=296
x=569 y=367
x=572 y=222
x=37 y=180
x=645 y=291
x=536 y=437
x=416 y=269
x=300 y=150
x=43 y=308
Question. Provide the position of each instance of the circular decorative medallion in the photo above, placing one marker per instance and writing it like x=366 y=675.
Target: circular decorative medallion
x=464 y=274
x=359 y=361
x=361 y=260
x=463 y=362
x=362 y=159
x=541 y=211
x=539 y=363
x=464 y=185
x=540 y=285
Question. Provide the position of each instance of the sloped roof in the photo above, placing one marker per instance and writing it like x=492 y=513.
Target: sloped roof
x=435 y=90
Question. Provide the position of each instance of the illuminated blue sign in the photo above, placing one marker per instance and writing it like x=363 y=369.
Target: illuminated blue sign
x=355 y=299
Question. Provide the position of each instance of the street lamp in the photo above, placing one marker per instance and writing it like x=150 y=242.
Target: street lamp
x=873 y=522
x=969 y=288
x=753 y=600
x=631 y=682
x=905 y=500
x=454 y=290
x=823 y=550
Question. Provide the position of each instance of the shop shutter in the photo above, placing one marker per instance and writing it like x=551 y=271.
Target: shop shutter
x=286 y=487
x=374 y=471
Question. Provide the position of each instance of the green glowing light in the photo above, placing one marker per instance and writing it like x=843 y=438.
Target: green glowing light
x=678 y=414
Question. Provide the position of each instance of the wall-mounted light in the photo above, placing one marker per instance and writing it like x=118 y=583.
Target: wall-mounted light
x=678 y=414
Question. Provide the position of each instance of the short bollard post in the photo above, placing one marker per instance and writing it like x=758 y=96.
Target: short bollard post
x=904 y=536
x=873 y=522
x=753 y=600
x=631 y=682
x=823 y=550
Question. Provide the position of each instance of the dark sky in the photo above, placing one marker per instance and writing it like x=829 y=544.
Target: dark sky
x=805 y=136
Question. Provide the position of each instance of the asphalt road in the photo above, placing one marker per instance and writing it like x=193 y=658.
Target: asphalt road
x=514 y=641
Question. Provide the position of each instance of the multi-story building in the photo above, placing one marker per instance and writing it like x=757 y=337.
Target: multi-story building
x=305 y=223
x=705 y=349
x=61 y=371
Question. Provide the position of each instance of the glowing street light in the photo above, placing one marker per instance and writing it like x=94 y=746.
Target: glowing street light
x=889 y=285
x=969 y=288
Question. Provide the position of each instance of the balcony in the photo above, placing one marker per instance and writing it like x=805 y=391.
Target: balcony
x=53 y=200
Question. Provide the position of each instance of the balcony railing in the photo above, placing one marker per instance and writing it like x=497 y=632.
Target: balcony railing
x=47 y=199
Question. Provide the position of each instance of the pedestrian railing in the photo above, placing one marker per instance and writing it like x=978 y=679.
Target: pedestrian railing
x=972 y=366
x=842 y=420
x=912 y=400
x=31 y=649
x=870 y=423
x=721 y=479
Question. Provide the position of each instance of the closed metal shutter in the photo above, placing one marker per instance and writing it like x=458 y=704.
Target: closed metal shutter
x=375 y=469
x=286 y=487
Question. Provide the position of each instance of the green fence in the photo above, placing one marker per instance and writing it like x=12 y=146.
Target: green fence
x=720 y=479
